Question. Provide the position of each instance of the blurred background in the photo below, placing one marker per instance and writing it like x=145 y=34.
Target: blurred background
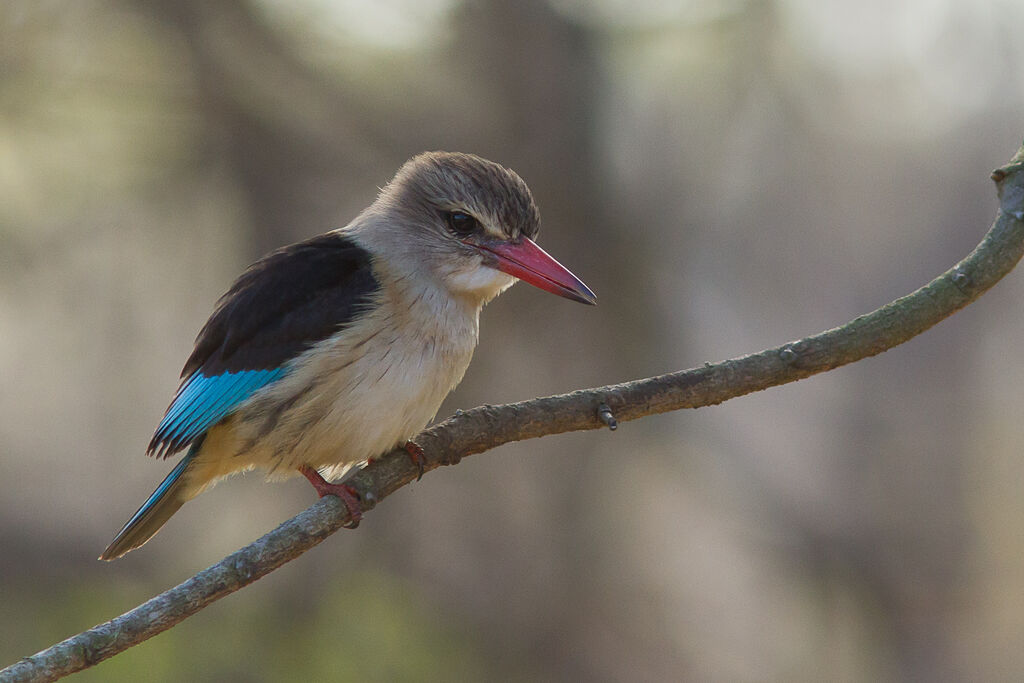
x=726 y=175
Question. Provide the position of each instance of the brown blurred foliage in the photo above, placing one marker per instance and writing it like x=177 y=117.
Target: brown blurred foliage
x=725 y=175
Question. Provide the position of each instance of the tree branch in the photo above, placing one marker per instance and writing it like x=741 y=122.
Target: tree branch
x=483 y=428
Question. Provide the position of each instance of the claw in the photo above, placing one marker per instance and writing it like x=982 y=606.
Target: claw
x=418 y=457
x=348 y=495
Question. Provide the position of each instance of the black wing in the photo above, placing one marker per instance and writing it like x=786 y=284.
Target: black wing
x=281 y=306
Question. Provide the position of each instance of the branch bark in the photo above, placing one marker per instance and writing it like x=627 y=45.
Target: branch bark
x=483 y=428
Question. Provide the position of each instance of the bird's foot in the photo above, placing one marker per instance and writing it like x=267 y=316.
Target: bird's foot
x=348 y=495
x=418 y=457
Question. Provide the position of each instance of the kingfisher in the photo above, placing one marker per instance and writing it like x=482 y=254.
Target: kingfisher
x=330 y=352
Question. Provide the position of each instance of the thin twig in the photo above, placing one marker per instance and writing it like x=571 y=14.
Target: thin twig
x=483 y=428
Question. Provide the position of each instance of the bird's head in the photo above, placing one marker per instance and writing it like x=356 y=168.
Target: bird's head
x=468 y=223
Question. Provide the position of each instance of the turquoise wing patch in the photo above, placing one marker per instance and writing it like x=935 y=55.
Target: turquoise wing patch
x=202 y=402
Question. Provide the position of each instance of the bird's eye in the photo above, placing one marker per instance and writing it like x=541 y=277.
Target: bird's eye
x=461 y=223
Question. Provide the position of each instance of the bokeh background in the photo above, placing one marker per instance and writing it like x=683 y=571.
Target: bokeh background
x=726 y=175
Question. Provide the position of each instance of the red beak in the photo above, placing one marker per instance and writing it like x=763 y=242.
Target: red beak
x=528 y=262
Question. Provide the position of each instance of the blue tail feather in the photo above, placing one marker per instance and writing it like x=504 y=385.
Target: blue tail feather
x=157 y=509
